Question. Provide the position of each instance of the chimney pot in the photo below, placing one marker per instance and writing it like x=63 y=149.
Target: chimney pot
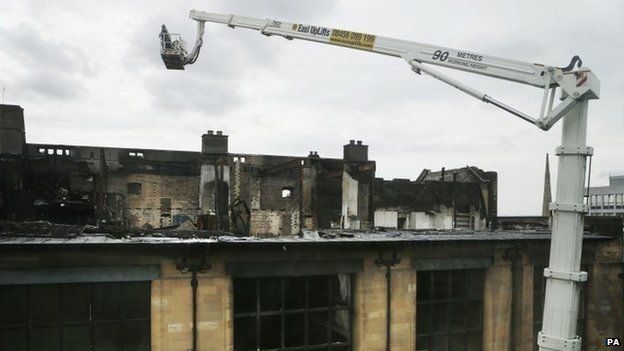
x=359 y=142
x=219 y=132
x=210 y=132
x=351 y=142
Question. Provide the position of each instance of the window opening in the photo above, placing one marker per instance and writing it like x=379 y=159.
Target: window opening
x=449 y=311
x=165 y=207
x=611 y=198
x=401 y=222
x=100 y=316
x=293 y=313
x=287 y=192
x=593 y=202
x=135 y=188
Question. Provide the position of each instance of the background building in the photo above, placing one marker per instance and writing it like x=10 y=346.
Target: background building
x=455 y=198
x=246 y=194
x=608 y=200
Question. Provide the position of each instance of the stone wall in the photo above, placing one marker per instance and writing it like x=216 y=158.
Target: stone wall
x=507 y=315
x=172 y=310
x=149 y=208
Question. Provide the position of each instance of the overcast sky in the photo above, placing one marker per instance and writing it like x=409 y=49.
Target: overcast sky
x=89 y=73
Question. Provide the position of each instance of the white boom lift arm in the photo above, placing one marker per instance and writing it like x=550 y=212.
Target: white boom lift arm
x=577 y=87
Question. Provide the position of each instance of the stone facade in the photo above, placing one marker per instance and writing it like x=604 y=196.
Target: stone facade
x=507 y=287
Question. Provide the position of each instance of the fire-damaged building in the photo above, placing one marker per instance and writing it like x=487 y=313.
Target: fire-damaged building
x=246 y=194
x=137 y=249
x=458 y=198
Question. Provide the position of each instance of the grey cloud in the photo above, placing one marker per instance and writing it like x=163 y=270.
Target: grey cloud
x=31 y=49
x=188 y=93
x=46 y=85
x=54 y=68
x=292 y=97
x=287 y=10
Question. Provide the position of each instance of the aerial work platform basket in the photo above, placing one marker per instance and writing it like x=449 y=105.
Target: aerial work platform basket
x=172 y=49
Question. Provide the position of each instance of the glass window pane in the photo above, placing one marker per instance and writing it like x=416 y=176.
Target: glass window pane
x=14 y=339
x=457 y=342
x=476 y=278
x=105 y=302
x=244 y=295
x=76 y=337
x=440 y=317
x=318 y=291
x=440 y=285
x=474 y=315
x=423 y=316
x=45 y=338
x=135 y=300
x=458 y=284
x=474 y=342
x=245 y=333
x=422 y=343
x=294 y=330
x=135 y=336
x=457 y=316
x=317 y=328
x=423 y=285
x=340 y=325
x=106 y=336
x=13 y=305
x=439 y=343
x=270 y=332
x=294 y=293
x=270 y=294
x=75 y=305
x=44 y=304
